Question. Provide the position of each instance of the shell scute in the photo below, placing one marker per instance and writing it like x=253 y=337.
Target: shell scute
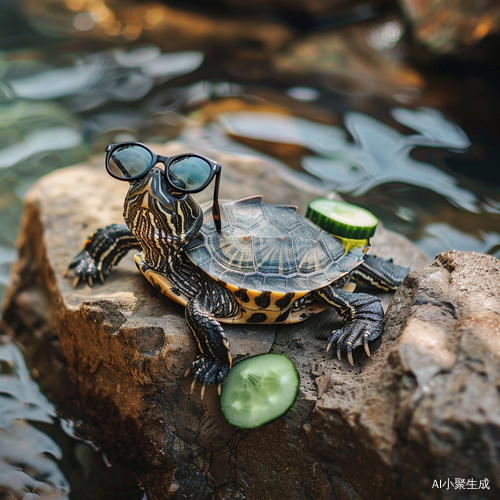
x=250 y=216
x=288 y=219
x=275 y=282
x=267 y=247
x=252 y=281
x=235 y=248
x=273 y=250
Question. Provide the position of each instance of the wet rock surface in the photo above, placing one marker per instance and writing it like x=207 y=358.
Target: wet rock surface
x=425 y=406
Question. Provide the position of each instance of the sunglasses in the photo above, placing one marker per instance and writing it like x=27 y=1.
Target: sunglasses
x=187 y=172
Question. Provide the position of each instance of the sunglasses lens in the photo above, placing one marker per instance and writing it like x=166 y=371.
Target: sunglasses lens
x=129 y=160
x=189 y=172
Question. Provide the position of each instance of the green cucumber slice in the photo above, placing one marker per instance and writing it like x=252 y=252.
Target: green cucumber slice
x=342 y=219
x=258 y=390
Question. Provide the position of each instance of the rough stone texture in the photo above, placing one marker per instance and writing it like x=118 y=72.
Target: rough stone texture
x=425 y=406
x=428 y=407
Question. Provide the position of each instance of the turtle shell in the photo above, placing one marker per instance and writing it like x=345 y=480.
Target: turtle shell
x=269 y=247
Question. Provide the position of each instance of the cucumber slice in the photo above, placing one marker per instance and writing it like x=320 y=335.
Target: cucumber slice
x=258 y=390
x=342 y=219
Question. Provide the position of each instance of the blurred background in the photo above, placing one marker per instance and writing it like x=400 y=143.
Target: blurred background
x=394 y=104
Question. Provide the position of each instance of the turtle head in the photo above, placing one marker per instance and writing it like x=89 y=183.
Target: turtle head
x=158 y=215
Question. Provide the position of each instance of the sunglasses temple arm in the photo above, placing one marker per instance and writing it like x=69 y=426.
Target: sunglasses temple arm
x=215 y=204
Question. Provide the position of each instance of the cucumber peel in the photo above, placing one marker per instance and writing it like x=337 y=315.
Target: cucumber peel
x=342 y=219
x=259 y=389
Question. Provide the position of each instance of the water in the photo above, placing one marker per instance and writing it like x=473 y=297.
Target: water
x=417 y=148
x=41 y=454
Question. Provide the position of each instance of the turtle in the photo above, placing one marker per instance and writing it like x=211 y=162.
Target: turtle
x=258 y=264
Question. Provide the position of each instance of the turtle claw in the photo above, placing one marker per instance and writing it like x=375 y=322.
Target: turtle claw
x=83 y=268
x=365 y=344
x=348 y=338
x=219 y=389
x=76 y=281
x=207 y=371
x=349 y=354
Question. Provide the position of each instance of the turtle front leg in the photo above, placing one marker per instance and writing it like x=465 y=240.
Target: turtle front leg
x=102 y=250
x=214 y=361
x=363 y=317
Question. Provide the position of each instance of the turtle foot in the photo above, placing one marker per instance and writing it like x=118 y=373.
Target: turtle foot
x=353 y=335
x=84 y=268
x=102 y=250
x=207 y=370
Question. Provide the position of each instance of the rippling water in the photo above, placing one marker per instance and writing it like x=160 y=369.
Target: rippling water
x=419 y=150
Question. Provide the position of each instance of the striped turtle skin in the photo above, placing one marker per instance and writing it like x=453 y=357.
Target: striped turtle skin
x=267 y=265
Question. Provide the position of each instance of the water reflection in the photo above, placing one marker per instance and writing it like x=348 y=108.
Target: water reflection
x=439 y=235
x=28 y=457
x=92 y=80
x=54 y=83
x=39 y=134
x=40 y=455
x=379 y=154
x=39 y=141
x=27 y=130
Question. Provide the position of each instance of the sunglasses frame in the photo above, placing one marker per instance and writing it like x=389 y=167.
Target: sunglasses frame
x=215 y=171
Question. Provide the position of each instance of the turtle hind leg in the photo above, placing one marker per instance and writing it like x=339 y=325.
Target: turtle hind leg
x=214 y=361
x=380 y=273
x=363 y=317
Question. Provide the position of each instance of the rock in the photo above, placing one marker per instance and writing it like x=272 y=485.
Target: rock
x=451 y=26
x=427 y=406
x=170 y=28
x=424 y=407
x=358 y=60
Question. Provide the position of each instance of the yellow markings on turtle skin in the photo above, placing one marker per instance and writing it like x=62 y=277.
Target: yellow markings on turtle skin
x=166 y=286
x=246 y=310
x=200 y=348
x=107 y=252
x=372 y=280
x=88 y=241
x=273 y=311
x=164 y=283
x=145 y=200
x=199 y=343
